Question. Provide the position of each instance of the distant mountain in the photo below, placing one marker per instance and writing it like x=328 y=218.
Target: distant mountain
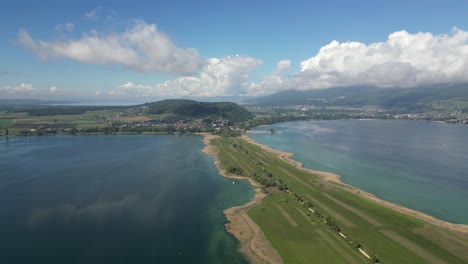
x=183 y=109
x=416 y=99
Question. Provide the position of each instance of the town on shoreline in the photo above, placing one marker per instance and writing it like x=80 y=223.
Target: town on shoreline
x=121 y=122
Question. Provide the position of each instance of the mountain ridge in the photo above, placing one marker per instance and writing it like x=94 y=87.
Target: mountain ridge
x=414 y=99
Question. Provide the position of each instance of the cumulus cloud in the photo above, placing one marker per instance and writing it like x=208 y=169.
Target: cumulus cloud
x=68 y=27
x=404 y=59
x=219 y=76
x=141 y=47
x=55 y=90
x=22 y=89
x=274 y=82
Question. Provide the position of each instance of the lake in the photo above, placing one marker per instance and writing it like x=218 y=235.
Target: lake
x=417 y=164
x=114 y=199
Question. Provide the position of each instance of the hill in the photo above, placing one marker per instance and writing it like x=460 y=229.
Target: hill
x=450 y=97
x=189 y=109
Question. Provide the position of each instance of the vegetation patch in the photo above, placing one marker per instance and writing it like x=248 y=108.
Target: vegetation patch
x=351 y=224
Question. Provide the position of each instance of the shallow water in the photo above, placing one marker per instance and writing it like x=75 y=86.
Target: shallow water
x=417 y=164
x=114 y=199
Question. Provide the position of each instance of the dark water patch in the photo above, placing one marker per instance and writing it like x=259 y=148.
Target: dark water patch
x=114 y=199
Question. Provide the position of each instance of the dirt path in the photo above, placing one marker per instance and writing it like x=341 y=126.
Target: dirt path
x=365 y=217
x=345 y=221
x=337 y=247
x=253 y=243
x=286 y=215
x=426 y=255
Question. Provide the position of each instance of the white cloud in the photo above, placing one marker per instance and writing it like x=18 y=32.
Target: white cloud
x=22 y=89
x=218 y=77
x=405 y=60
x=100 y=13
x=92 y=14
x=68 y=27
x=283 y=66
x=141 y=47
x=274 y=82
x=55 y=90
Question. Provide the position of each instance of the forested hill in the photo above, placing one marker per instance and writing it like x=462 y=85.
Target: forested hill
x=183 y=109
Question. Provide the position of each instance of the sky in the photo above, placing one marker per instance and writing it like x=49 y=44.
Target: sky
x=151 y=50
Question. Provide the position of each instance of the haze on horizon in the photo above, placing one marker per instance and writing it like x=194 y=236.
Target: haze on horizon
x=151 y=51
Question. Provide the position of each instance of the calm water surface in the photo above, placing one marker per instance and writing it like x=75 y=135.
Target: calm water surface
x=114 y=199
x=421 y=165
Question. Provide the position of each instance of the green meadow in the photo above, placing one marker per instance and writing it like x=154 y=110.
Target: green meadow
x=309 y=220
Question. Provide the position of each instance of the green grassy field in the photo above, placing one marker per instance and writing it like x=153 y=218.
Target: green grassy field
x=17 y=122
x=299 y=236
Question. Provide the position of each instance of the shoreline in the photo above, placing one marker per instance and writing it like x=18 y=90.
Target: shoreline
x=336 y=179
x=252 y=242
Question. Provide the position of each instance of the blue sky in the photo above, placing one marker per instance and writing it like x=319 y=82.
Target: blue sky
x=150 y=50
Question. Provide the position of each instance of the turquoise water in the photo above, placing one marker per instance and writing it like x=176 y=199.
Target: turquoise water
x=417 y=164
x=114 y=199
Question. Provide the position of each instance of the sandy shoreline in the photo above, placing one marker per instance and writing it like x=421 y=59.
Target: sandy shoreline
x=336 y=179
x=253 y=243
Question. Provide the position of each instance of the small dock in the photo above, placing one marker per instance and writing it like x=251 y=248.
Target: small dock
x=271 y=131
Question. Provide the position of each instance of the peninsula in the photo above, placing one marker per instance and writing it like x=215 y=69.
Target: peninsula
x=308 y=216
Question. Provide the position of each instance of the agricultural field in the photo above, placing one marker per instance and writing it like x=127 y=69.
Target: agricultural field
x=309 y=220
x=17 y=122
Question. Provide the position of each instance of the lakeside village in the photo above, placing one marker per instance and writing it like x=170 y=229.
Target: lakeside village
x=224 y=127
x=371 y=112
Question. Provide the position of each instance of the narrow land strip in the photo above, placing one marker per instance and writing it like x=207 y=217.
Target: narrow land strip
x=253 y=240
x=253 y=243
x=334 y=178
